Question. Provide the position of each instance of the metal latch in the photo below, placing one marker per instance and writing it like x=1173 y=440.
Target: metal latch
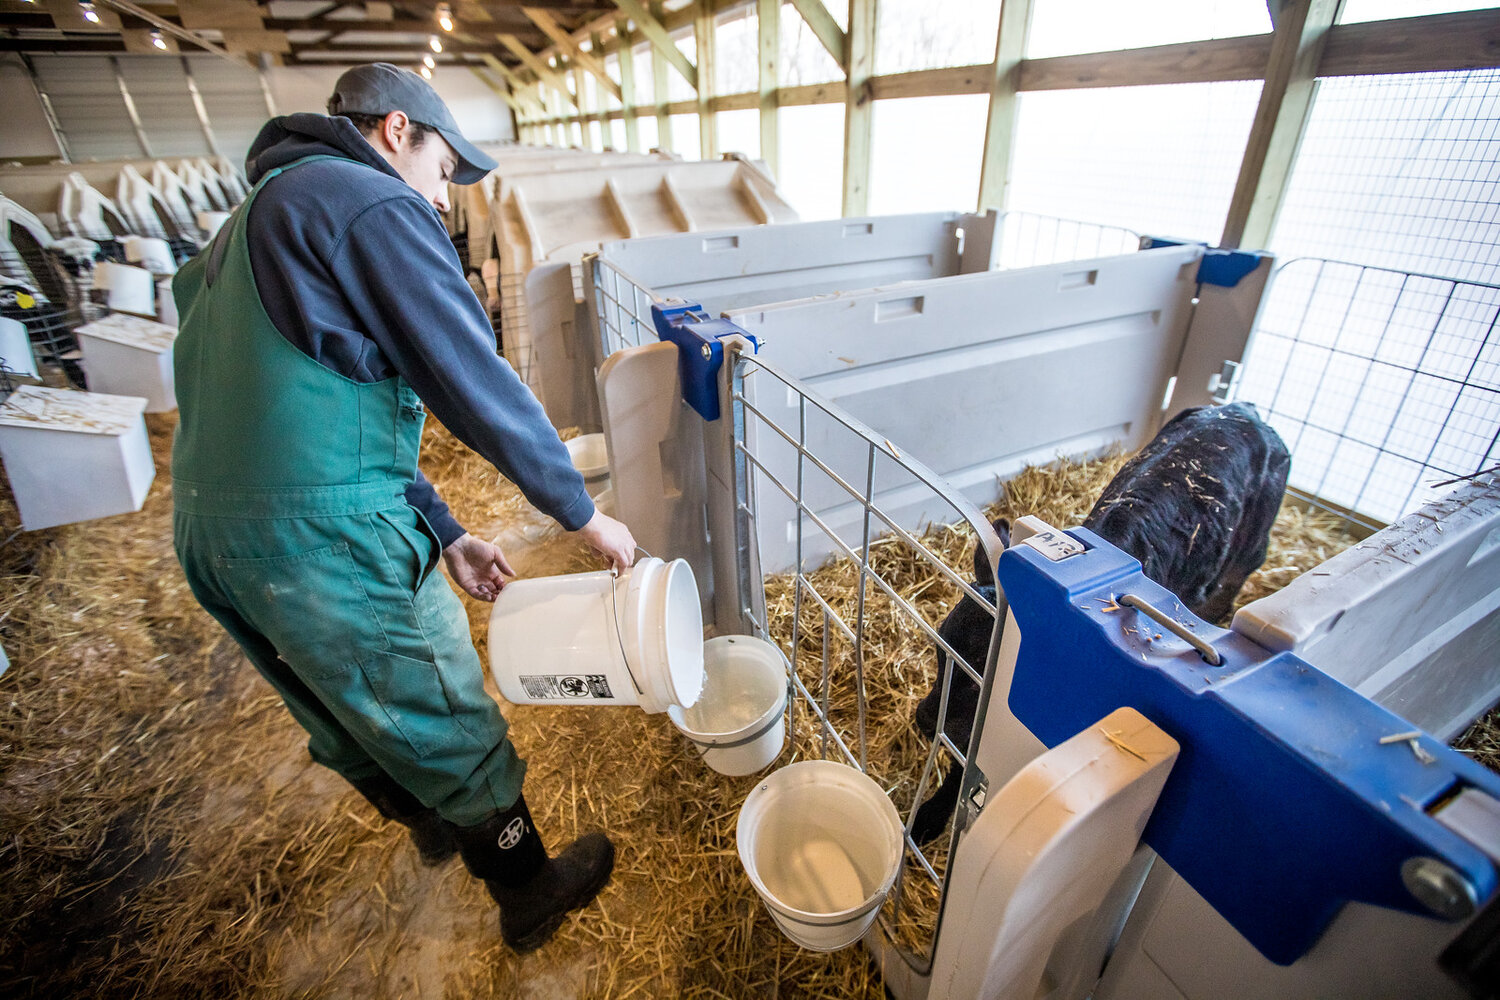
x=1221 y=383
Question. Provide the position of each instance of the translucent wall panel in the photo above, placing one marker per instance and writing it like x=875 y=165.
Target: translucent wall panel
x=1067 y=27
x=595 y=135
x=685 y=138
x=617 y=133
x=737 y=55
x=89 y=107
x=927 y=34
x=612 y=68
x=1159 y=160
x=1400 y=172
x=1380 y=10
x=647 y=128
x=739 y=132
x=678 y=88
x=803 y=58
x=158 y=86
x=236 y=105
x=812 y=159
x=645 y=80
x=927 y=152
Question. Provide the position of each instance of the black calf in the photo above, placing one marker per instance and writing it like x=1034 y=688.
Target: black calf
x=1195 y=506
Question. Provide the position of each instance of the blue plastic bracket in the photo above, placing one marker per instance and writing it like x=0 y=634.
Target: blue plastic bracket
x=1221 y=267
x=1284 y=804
x=700 y=350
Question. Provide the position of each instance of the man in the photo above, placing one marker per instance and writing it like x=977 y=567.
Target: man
x=326 y=312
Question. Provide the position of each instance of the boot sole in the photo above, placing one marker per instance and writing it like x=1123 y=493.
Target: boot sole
x=542 y=933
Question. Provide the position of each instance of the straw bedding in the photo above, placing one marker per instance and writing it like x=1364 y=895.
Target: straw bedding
x=162 y=832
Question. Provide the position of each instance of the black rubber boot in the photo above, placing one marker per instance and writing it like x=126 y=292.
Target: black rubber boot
x=535 y=892
x=433 y=838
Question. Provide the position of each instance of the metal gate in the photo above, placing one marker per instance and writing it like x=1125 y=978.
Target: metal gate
x=846 y=660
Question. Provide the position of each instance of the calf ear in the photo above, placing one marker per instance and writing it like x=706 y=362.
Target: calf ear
x=983 y=575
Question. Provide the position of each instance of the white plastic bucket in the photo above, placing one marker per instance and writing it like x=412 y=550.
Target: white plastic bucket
x=131 y=290
x=210 y=222
x=166 y=305
x=738 y=724
x=591 y=458
x=150 y=253
x=595 y=639
x=821 y=844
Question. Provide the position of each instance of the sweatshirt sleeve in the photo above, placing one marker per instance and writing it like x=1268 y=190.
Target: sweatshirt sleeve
x=404 y=282
x=424 y=498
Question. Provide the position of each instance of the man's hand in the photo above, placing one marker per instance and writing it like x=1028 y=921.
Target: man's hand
x=477 y=566
x=611 y=539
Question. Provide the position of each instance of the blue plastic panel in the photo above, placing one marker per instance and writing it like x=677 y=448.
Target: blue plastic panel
x=1219 y=267
x=700 y=351
x=1283 y=805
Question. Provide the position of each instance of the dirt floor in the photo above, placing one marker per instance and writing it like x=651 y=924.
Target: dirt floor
x=164 y=834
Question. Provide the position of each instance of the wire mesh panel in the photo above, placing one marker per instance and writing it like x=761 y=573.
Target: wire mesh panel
x=858 y=613
x=1383 y=383
x=1399 y=171
x=1027 y=239
x=622 y=306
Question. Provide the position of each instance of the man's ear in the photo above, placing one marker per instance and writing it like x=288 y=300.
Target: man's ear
x=394 y=129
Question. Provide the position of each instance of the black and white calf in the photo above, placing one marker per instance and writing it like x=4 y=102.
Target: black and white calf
x=1195 y=506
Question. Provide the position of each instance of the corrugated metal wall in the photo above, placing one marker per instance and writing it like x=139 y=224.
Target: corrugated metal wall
x=90 y=109
x=85 y=94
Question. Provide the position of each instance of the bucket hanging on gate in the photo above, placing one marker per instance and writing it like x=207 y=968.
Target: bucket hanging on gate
x=821 y=843
x=601 y=639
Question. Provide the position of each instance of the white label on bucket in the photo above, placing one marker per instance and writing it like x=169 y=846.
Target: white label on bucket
x=566 y=687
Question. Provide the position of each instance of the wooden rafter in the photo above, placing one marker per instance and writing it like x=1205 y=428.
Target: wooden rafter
x=827 y=30
x=544 y=73
x=1280 y=118
x=572 y=50
x=661 y=42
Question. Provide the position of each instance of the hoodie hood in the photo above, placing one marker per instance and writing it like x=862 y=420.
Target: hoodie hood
x=291 y=137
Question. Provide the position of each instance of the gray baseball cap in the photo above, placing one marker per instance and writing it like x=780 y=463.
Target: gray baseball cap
x=380 y=88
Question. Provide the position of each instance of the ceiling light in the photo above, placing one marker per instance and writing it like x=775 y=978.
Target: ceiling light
x=429 y=62
x=435 y=43
x=426 y=73
x=445 y=16
x=89 y=13
x=158 y=41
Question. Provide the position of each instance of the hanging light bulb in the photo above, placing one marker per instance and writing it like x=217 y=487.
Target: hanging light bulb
x=89 y=13
x=435 y=43
x=426 y=73
x=445 y=17
x=157 y=40
x=428 y=62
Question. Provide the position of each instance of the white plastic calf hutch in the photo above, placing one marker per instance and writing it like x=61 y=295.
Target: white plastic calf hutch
x=1304 y=841
x=74 y=456
x=545 y=223
x=1299 y=840
x=130 y=356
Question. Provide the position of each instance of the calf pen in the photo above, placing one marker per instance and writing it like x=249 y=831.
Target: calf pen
x=801 y=479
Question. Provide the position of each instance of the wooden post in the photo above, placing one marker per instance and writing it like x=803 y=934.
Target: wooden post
x=585 y=109
x=858 y=107
x=659 y=81
x=1280 y=119
x=768 y=16
x=1000 y=128
x=703 y=36
x=627 y=83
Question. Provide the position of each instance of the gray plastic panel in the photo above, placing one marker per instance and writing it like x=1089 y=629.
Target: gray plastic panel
x=975 y=375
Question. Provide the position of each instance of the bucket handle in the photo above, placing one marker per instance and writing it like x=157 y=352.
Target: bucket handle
x=614 y=574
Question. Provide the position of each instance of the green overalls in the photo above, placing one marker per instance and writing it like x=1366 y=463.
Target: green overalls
x=292 y=526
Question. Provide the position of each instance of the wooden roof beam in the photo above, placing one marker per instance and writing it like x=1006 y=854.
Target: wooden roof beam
x=571 y=49
x=660 y=40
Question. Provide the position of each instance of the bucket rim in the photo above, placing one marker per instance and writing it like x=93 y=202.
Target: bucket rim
x=852 y=774
x=729 y=738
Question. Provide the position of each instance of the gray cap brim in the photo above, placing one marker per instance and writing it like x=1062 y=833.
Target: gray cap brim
x=472 y=164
